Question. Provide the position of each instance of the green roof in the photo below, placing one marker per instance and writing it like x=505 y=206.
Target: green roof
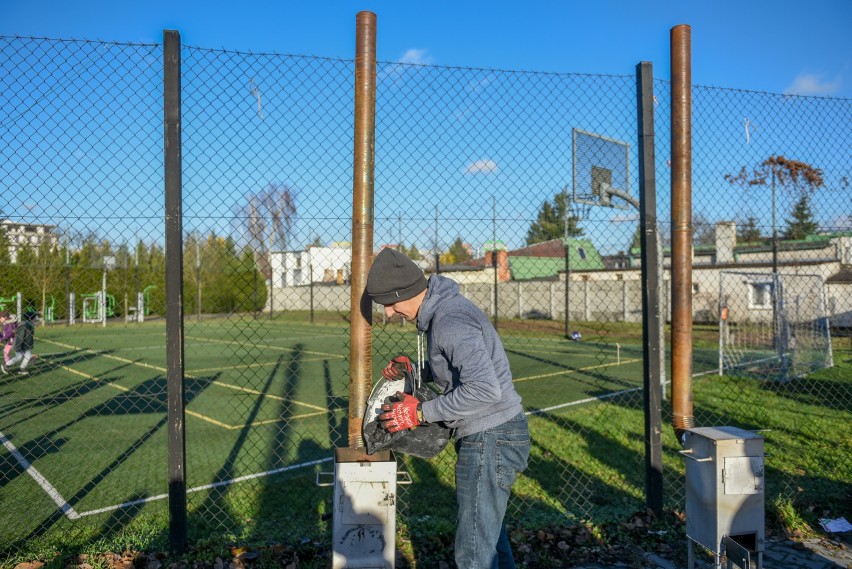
x=583 y=256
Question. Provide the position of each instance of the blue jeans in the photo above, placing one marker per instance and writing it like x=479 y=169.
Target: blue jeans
x=487 y=465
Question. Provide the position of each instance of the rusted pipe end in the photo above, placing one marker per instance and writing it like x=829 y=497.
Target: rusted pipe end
x=356 y=441
x=682 y=424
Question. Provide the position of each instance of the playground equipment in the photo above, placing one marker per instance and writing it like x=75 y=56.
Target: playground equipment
x=8 y=302
x=49 y=309
x=143 y=304
x=146 y=292
x=98 y=306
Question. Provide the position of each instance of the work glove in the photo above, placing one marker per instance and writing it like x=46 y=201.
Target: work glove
x=397 y=368
x=401 y=414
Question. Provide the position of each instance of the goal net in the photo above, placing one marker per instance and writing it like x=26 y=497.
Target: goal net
x=772 y=326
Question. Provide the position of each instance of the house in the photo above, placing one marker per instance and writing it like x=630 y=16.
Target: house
x=315 y=264
x=21 y=234
x=548 y=259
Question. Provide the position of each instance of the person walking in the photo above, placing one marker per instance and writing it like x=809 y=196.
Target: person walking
x=9 y=322
x=468 y=364
x=24 y=342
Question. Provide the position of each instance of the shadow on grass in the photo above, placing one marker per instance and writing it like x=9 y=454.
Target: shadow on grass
x=216 y=514
x=146 y=398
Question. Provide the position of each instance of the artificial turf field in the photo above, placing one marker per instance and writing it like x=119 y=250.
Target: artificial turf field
x=86 y=434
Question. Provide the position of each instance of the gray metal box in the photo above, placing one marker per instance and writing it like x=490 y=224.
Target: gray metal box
x=724 y=488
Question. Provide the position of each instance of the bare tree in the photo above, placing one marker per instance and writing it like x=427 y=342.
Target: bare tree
x=791 y=175
x=268 y=218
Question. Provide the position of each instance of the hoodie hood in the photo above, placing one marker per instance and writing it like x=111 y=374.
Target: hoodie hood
x=439 y=289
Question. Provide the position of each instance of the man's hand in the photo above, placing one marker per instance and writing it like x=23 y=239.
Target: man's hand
x=402 y=414
x=397 y=367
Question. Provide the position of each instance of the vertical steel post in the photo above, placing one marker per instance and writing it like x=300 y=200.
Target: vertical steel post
x=652 y=338
x=494 y=261
x=681 y=159
x=437 y=247
x=174 y=291
x=311 y=287
x=198 y=281
x=361 y=341
x=103 y=301
x=567 y=287
x=136 y=278
x=70 y=317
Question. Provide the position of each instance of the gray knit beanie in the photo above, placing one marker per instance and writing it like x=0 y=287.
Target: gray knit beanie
x=394 y=278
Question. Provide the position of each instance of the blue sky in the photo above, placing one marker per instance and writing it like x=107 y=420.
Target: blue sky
x=776 y=46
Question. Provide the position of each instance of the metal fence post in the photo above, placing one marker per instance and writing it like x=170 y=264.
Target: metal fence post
x=651 y=329
x=174 y=291
x=681 y=216
x=361 y=349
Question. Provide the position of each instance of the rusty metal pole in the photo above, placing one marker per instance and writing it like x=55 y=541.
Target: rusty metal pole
x=681 y=277
x=360 y=333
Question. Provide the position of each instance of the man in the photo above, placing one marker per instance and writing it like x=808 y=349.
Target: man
x=467 y=362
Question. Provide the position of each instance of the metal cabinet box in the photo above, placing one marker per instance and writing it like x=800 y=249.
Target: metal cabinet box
x=724 y=487
x=364 y=530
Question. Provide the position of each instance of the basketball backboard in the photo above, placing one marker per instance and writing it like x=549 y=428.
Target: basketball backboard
x=601 y=171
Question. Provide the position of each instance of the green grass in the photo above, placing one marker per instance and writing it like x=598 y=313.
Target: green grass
x=272 y=396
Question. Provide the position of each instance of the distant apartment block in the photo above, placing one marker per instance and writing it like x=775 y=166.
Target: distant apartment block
x=22 y=234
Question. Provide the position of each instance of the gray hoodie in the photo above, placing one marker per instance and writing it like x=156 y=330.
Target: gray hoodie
x=467 y=362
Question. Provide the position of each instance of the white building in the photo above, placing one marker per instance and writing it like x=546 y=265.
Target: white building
x=331 y=264
x=21 y=234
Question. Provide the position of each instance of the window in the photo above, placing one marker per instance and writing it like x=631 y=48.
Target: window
x=581 y=252
x=760 y=295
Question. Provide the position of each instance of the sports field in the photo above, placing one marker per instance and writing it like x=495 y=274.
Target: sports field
x=86 y=433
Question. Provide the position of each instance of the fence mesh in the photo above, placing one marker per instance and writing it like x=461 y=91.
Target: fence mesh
x=475 y=179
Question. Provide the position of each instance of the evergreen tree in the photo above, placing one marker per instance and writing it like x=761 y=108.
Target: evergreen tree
x=636 y=242
x=550 y=223
x=457 y=252
x=411 y=252
x=748 y=231
x=802 y=222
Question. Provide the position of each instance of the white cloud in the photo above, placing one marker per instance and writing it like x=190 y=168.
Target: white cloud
x=395 y=73
x=813 y=84
x=416 y=56
x=481 y=167
x=479 y=85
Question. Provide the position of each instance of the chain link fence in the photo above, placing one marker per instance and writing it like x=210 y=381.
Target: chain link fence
x=477 y=178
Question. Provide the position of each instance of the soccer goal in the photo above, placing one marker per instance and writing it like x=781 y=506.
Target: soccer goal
x=773 y=326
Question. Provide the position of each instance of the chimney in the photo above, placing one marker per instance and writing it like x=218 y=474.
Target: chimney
x=726 y=240
x=503 y=273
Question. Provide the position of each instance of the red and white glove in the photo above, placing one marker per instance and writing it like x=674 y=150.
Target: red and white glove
x=397 y=367
x=402 y=414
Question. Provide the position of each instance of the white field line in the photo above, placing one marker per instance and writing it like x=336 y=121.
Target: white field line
x=579 y=369
x=204 y=487
x=64 y=506
x=581 y=401
x=164 y=370
x=234 y=342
